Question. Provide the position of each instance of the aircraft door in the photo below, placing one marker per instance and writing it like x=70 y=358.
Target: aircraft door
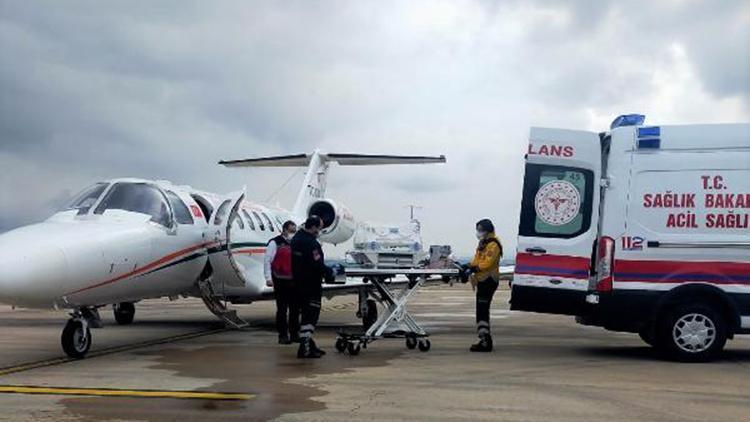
x=558 y=224
x=221 y=229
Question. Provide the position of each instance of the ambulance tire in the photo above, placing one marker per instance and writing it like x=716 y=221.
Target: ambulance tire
x=124 y=313
x=699 y=318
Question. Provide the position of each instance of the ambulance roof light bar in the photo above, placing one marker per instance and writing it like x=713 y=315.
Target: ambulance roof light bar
x=628 y=120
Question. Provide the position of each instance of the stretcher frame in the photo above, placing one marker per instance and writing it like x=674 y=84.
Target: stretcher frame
x=393 y=296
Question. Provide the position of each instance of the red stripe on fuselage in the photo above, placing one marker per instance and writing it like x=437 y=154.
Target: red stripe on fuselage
x=147 y=267
x=250 y=251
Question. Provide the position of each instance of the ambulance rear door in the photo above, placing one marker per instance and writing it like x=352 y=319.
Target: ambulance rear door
x=558 y=224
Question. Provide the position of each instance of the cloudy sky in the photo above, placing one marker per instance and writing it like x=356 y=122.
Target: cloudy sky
x=164 y=89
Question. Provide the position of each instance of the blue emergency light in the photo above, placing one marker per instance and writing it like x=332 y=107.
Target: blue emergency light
x=628 y=120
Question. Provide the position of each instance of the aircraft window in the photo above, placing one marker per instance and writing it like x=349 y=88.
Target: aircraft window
x=181 y=211
x=136 y=197
x=221 y=212
x=270 y=223
x=260 y=222
x=238 y=221
x=249 y=219
x=86 y=198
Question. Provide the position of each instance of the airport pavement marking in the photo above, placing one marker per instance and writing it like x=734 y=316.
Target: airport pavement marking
x=110 y=392
x=57 y=361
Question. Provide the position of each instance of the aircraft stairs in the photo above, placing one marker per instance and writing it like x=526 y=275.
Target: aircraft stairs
x=218 y=307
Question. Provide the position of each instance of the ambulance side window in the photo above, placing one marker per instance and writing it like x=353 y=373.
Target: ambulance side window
x=557 y=201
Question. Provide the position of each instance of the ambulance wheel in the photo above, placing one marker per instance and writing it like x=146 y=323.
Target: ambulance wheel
x=411 y=342
x=353 y=349
x=341 y=345
x=124 y=312
x=424 y=345
x=76 y=341
x=692 y=332
x=371 y=315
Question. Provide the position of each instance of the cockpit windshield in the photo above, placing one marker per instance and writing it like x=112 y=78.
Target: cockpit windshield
x=136 y=197
x=86 y=198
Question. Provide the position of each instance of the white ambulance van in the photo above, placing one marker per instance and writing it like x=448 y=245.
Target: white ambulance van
x=642 y=229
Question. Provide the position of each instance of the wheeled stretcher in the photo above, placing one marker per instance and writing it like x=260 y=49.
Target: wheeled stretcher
x=393 y=296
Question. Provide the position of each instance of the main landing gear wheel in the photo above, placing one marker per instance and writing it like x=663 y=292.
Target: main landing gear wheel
x=341 y=345
x=411 y=342
x=124 y=312
x=76 y=339
x=424 y=345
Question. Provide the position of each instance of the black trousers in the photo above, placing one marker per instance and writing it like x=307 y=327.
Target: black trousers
x=485 y=291
x=287 y=307
x=310 y=300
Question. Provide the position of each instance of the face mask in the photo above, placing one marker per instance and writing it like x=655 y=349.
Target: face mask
x=480 y=235
x=288 y=235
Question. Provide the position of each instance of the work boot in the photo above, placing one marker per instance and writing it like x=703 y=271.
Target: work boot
x=306 y=351
x=316 y=348
x=284 y=339
x=483 y=345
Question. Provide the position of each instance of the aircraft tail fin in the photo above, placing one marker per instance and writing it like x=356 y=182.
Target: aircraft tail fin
x=314 y=185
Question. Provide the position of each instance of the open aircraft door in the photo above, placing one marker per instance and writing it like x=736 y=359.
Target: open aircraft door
x=558 y=224
x=223 y=228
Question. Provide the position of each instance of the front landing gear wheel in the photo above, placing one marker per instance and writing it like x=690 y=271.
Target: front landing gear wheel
x=353 y=349
x=341 y=345
x=424 y=345
x=76 y=339
x=124 y=313
x=411 y=343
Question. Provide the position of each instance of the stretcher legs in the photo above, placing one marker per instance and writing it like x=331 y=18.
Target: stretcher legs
x=394 y=322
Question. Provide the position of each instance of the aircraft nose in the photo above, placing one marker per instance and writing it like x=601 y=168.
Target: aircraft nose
x=30 y=272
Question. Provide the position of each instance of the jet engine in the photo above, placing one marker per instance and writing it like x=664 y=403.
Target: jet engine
x=338 y=221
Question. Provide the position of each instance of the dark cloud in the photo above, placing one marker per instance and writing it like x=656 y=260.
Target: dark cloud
x=165 y=89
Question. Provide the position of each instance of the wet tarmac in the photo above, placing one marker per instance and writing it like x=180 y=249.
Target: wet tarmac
x=544 y=368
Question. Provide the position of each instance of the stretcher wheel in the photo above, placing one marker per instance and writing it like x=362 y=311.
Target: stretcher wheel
x=353 y=349
x=411 y=343
x=424 y=345
x=341 y=345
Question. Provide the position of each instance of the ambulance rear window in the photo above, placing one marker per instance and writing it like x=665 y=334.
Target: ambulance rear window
x=557 y=201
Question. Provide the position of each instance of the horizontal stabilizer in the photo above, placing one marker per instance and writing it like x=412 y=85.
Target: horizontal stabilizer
x=303 y=160
x=371 y=160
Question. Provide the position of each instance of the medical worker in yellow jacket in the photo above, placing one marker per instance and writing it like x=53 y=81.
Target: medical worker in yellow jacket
x=484 y=275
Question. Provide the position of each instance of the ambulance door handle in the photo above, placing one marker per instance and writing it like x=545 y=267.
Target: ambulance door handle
x=536 y=250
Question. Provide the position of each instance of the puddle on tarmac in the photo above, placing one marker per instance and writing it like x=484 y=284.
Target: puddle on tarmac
x=257 y=366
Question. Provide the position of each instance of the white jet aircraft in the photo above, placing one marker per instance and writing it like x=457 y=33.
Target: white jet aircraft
x=125 y=240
